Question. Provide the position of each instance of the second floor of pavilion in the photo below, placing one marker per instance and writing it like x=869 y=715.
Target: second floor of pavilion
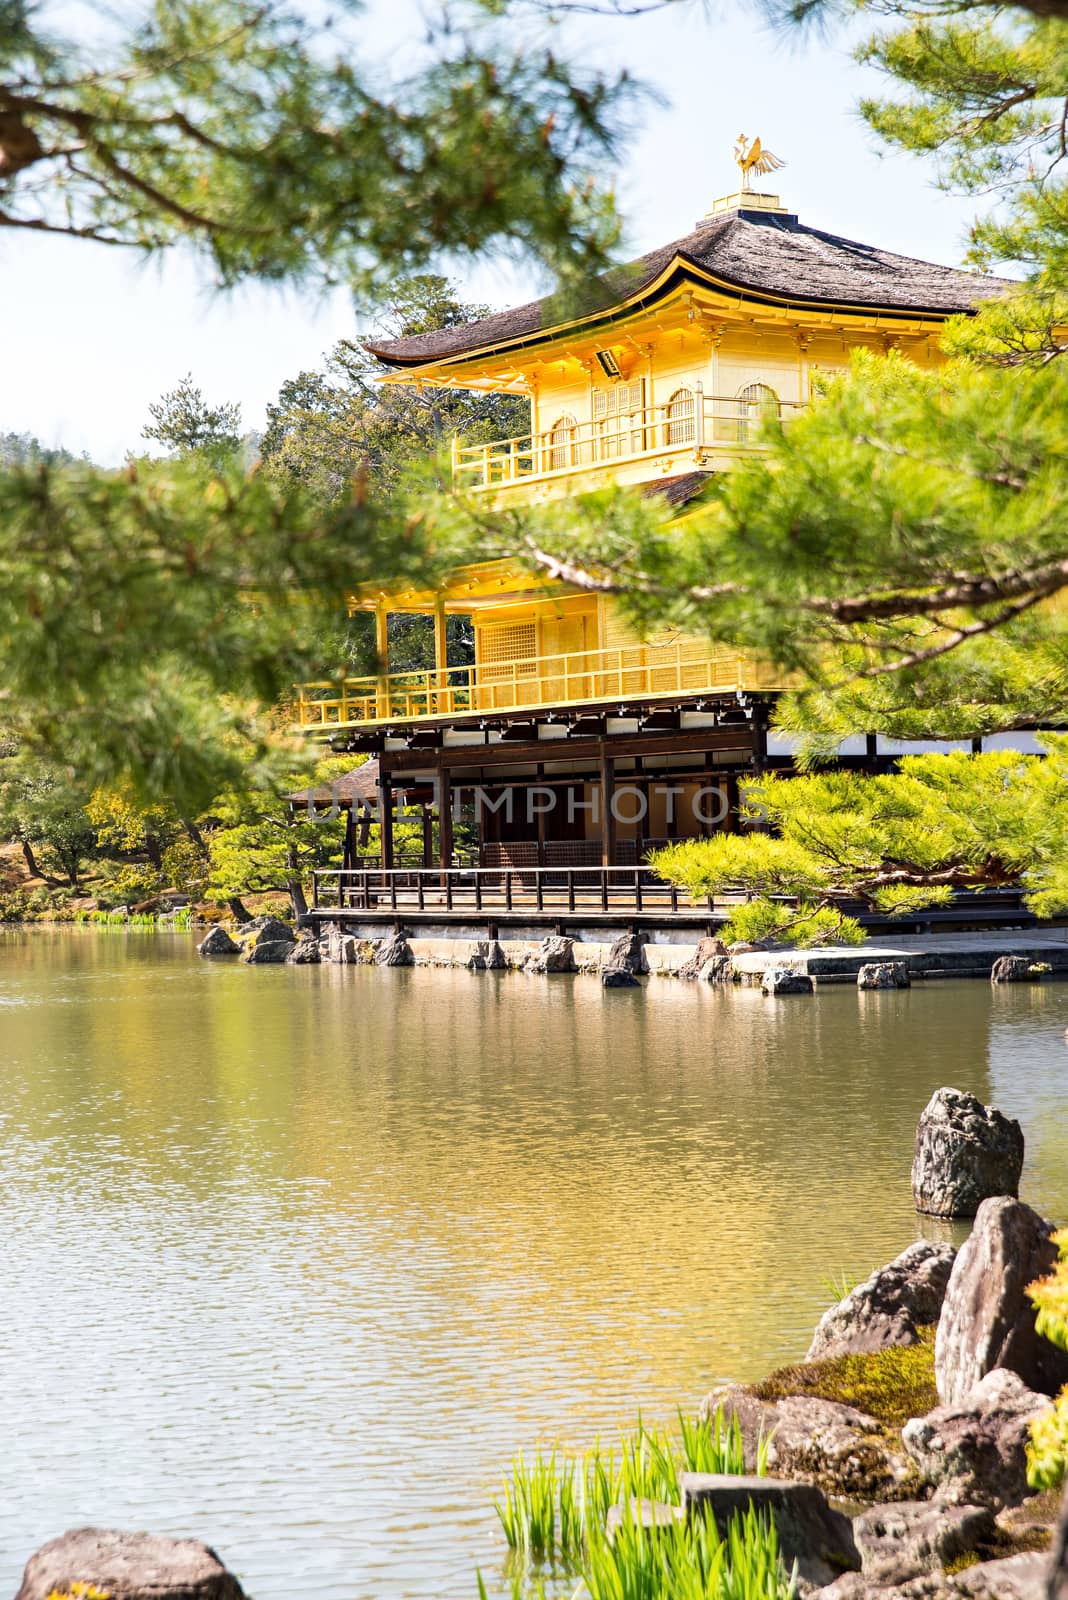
x=672 y=364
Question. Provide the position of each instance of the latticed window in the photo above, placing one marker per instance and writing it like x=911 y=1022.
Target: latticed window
x=680 y=417
x=507 y=646
x=561 y=441
x=756 y=403
x=618 y=413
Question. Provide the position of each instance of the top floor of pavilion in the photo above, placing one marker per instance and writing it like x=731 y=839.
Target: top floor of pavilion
x=669 y=365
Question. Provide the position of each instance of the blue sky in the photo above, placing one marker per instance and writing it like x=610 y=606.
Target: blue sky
x=89 y=338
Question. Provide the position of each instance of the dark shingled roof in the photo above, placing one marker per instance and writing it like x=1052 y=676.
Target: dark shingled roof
x=350 y=788
x=677 y=491
x=766 y=254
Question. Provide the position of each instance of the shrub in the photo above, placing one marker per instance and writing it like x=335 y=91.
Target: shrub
x=1048 y=1451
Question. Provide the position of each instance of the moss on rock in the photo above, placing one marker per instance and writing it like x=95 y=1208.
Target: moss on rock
x=889 y=1385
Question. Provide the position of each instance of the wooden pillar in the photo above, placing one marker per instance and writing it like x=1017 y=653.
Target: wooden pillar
x=348 y=854
x=382 y=655
x=385 y=819
x=608 y=820
x=539 y=774
x=444 y=818
x=428 y=837
x=440 y=699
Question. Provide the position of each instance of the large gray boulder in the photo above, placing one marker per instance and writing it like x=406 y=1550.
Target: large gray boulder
x=487 y=956
x=717 y=969
x=395 y=951
x=901 y=1541
x=1013 y=969
x=987 y=1319
x=842 y=1450
x=818 y=1539
x=890 y=1307
x=975 y=1451
x=628 y=954
x=305 y=953
x=128 y=1566
x=1058 y=1566
x=785 y=980
x=265 y=952
x=554 y=954
x=218 y=943
x=707 y=950
x=965 y=1153
x=884 y=975
x=1020 y=1577
x=619 y=978
x=264 y=930
x=337 y=948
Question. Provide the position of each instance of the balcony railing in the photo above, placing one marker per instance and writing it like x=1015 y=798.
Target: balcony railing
x=633 y=672
x=696 y=423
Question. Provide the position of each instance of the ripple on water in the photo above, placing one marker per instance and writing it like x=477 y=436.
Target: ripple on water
x=295 y=1260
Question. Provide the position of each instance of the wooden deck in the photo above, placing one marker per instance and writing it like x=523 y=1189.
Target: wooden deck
x=594 y=897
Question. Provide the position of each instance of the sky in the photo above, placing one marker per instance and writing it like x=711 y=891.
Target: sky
x=88 y=338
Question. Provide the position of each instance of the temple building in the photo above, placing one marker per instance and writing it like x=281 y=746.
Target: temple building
x=584 y=744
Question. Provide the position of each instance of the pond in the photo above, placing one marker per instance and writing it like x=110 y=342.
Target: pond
x=296 y=1258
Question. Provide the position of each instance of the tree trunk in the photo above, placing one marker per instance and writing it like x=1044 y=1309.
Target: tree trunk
x=238 y=910
x=153 y=851
x=30 y=859
x=296 y=888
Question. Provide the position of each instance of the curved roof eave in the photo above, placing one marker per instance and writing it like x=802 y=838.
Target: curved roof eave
x=681 y=266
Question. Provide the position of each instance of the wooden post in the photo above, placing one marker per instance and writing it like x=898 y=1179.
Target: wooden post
x=385 y=819
x=382 y=654
x=608 y=819
x=444 y=819
x=348 y=855
x=428 y=838
x=440 y=698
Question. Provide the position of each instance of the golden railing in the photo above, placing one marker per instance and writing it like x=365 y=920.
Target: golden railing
x=687 y=426
x=641 y=672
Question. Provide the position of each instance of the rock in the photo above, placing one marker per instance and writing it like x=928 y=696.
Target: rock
x=487 y=956
x=1011 y=969
x=218 y=943
x=128 y=1566
x=646 y=1513
x=975 y=1452
x=890 y=1307
x=707 y=950
x=618 y=978
x=340 y=949
x=305 y=953
x=1017 y=1578
x=901 y=1541
x=554 y=954
x=628 y=954
x=884 y=975
x=717 y=969
x=988 y=1320
x=840 y=1449
x=785 y=980
x=818 y=1539
x=965 y=1153
x=1058 y=1566
x=275 y=951
x=741 y=948
x=395 y=951
x=264 y=930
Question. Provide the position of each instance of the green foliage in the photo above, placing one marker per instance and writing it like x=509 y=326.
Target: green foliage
x=897 y=842
x=264 y=137
x=330 y=428
x=1047 y=1453
x=553 y=1508
x=688 y=1561
x=183 y=422
x=891 y=1385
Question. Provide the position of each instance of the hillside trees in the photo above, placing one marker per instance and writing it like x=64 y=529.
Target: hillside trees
x=146 y=615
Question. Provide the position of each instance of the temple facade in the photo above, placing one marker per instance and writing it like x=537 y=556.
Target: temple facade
x=569 y=741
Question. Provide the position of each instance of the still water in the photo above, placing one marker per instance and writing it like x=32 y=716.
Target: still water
x=295 y=1258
